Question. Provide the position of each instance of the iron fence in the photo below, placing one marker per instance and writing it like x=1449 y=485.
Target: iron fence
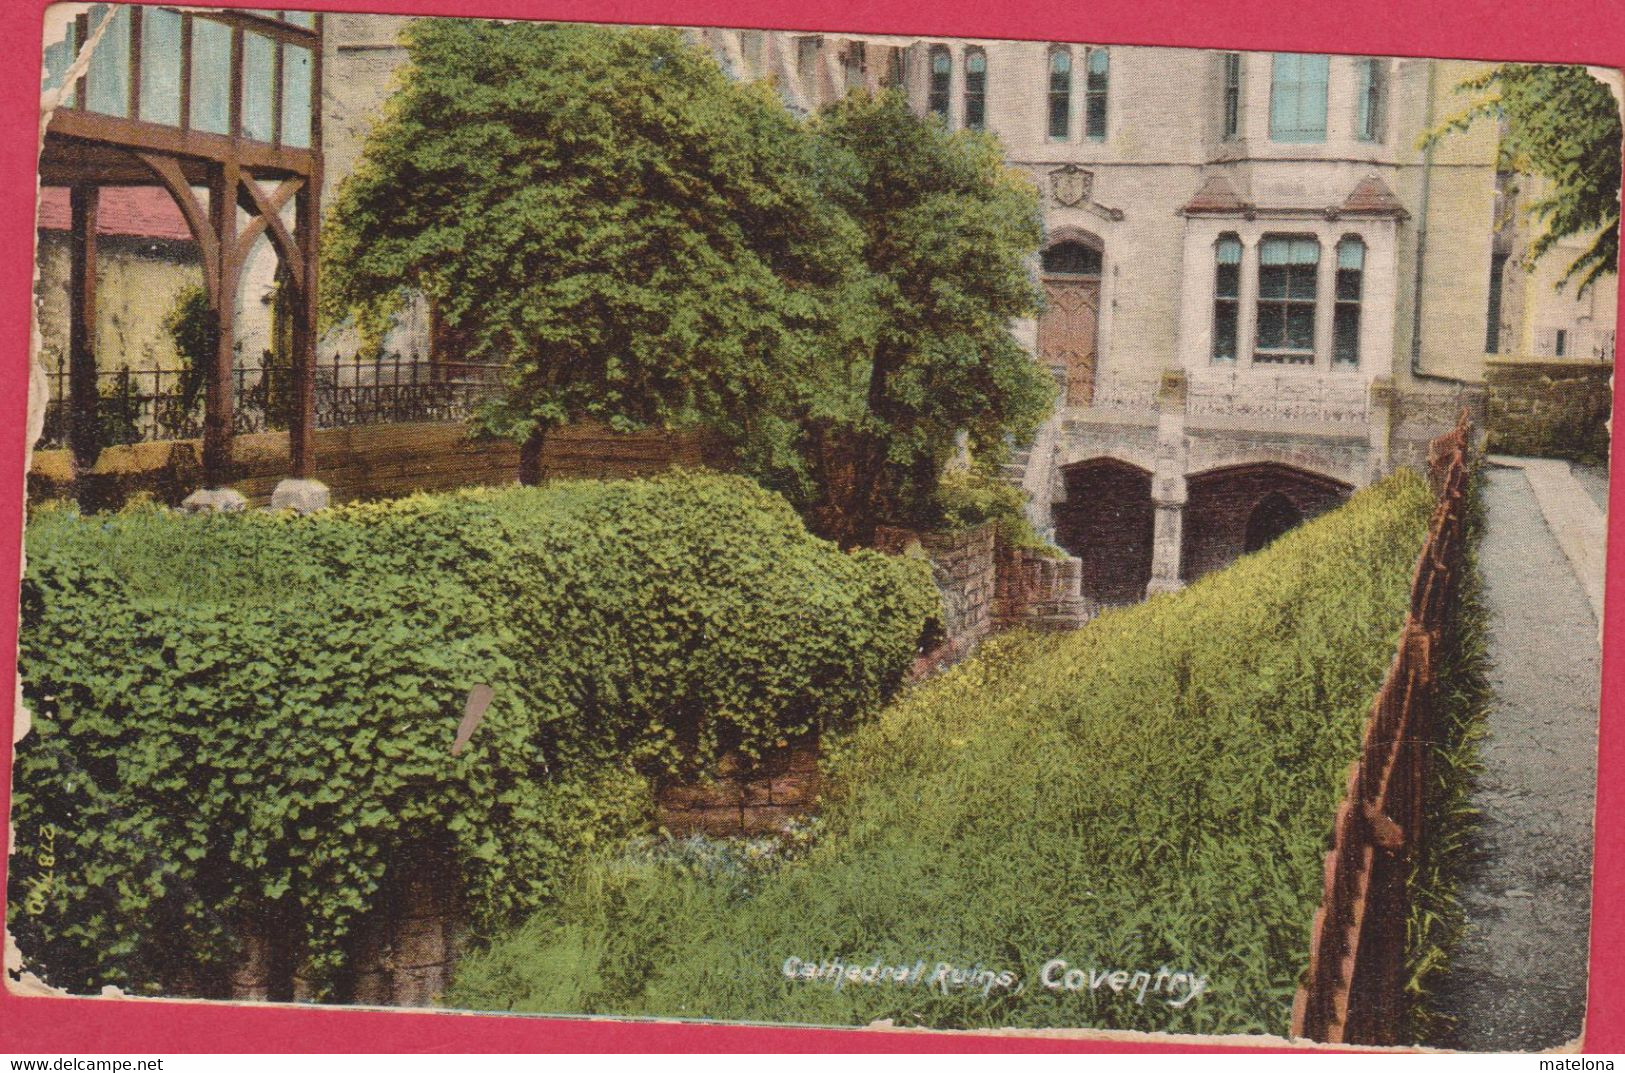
x=140 y=405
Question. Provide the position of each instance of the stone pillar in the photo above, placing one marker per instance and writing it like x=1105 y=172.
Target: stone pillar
x=1168 y=486
x=1379 y=426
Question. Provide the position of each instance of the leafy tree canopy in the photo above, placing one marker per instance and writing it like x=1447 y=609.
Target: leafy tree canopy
x=947 y=231
x=603 y=209
x=647 y=242
x=1563 y=125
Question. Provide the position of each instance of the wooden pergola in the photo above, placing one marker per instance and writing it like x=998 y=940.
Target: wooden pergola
x=225 y=102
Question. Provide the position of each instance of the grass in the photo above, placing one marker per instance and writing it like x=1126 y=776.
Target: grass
x=1151 y=793
x=1438 y=920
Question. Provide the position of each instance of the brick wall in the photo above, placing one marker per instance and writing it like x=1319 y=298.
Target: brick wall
x=372 y=462
x=964 y=568
x=1549 y=409
x=745 y=798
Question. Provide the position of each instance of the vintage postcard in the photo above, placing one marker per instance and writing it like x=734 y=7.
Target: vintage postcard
x=827 y=529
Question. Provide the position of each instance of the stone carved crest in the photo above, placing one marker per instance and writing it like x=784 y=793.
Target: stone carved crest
x=1071 y=185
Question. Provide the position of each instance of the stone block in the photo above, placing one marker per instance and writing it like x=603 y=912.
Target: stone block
x=300 y=495
x=214 y=501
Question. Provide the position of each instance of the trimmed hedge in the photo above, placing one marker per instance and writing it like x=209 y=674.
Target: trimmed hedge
x=1153 y=792
x=252 y=715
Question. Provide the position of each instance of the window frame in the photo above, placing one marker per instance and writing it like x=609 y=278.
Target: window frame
x=1370 y=98
x=1055 y=96
x=1347 y=307
x=1223 y=301
x=1286 y=355
x=1318 y=95
x=974 y=100
x=1093 y=93
x=939 y=96
x=1230 y=96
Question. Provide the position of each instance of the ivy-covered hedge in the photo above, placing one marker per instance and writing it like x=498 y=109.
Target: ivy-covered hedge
x=1152 y=794
x=252 y=715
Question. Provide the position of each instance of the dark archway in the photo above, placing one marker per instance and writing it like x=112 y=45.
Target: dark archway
x=1273 y=515
x=1106 y=521
x=1238 y=509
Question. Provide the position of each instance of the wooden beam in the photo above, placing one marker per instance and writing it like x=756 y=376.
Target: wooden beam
x=168 y=172
x=265 y=215
x=84 y=432
x=218 y=398
x=157 y=137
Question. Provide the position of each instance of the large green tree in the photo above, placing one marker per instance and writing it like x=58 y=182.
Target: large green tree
x=1563 y=125
x=635 y=235
x=925 y=362
x=647 y=243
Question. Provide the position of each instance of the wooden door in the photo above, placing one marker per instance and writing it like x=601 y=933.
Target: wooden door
x=1066 y=334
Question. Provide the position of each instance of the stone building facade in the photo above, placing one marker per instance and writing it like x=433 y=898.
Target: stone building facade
x=1261 y=291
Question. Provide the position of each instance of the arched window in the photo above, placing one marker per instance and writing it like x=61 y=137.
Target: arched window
x=1094 y=94
x=1071 y=258
x=1060 y=94
x=1346 y=315
x=975 y=89
x=1226 y=298
x=1287 y=270
x=942 y=66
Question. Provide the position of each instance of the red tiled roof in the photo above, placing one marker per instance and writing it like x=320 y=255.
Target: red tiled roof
x=1216 y=195
x=141 y=211
x=1372 y=196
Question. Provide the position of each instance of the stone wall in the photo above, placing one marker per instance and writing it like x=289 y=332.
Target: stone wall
x=964 y=568
x=1039 y=591
x=745 y=798
x=1550 y=409
x=369 y=462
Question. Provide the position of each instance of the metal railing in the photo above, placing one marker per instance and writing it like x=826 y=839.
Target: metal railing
x=141 y=405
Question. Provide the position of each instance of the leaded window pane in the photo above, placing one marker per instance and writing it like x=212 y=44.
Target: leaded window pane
x=296 y=79
x=976 y=90
x=941 y=75
x=58 y=58
x=259 y=86
x=1071 y=259
x=108 y=86
x=211 y=76
x=1298 y=97
x=1060 y=94
x=160 y=66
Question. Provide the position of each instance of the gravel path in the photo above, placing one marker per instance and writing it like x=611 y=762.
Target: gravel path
x=1519 y=979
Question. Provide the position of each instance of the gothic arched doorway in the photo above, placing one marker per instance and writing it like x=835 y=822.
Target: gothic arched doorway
x=1068 y=328
x=1107 y=521
x=1273 y=516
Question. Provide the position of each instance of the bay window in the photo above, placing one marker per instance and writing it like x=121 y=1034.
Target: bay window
x=1226 y=298
x=1346 y=311
x=1287 y=269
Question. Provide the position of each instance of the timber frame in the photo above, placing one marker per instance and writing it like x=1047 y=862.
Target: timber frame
x=86 y=150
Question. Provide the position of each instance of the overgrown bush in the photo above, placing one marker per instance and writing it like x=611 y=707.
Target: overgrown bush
x=1152 y=793
x=251 y=716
